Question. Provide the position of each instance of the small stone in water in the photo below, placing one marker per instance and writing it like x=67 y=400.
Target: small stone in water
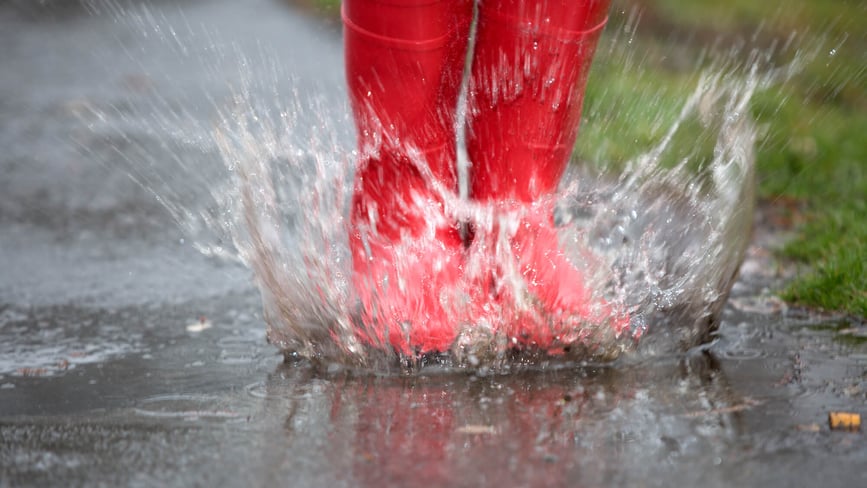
x=202 y=324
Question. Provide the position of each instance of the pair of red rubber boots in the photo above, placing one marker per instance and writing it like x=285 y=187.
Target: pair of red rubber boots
x=404 y=66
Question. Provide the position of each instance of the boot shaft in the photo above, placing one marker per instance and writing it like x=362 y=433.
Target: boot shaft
x=526 y=90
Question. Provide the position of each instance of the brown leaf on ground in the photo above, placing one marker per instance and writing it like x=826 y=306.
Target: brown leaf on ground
x=844 y=421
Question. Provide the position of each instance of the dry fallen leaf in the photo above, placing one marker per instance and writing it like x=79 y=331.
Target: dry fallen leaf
x=844 y=421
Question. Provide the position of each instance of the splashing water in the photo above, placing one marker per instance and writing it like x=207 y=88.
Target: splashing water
x=662 y=243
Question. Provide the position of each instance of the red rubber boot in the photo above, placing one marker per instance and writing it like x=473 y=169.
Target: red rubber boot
x=404 y=63
x=526 y=89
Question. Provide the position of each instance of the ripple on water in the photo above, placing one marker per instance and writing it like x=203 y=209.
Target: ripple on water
x=743 y=353
x=257 y=390
x=50 y=341
x=241 y=349
x=191 y=407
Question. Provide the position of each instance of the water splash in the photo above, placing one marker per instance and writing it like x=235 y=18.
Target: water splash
x=667 y=242
x=663 y=243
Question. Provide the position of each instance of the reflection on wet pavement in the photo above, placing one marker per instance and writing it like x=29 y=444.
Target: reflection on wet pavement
x=185 y=416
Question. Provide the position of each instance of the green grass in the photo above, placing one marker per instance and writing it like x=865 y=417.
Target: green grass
x=812 y=146
x=330 y=6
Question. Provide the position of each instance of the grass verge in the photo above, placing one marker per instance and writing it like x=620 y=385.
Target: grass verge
x=813 y=149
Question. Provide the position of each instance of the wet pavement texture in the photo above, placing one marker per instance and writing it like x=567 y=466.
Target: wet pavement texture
x=128 y=358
